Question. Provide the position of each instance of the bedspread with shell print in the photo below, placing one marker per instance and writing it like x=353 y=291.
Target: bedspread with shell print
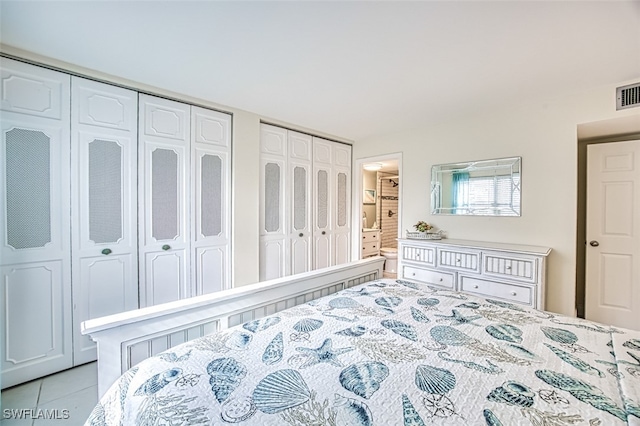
x=389 y=352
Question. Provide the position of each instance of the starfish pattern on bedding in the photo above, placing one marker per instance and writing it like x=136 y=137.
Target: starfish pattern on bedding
x=325 y=353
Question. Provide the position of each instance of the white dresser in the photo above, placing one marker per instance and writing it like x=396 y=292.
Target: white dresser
x=510 y=272
x=370 y=242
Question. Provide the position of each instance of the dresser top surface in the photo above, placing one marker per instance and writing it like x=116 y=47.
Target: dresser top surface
x=517 y=248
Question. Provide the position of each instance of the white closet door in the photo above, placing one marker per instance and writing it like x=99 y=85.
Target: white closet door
x=35 y=264
x=164 y=133
x=274 y=251
x=323 y=247
x=210 y=199
x=299 y=201
x=103 y=210
x=342 y=203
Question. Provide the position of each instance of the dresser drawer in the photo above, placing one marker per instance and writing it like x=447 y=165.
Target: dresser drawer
x=370 y=248
x=511 y=292
x=511 y=267
x=464 y=261
x=442 y=279
x=368 y=237
x=426 y=255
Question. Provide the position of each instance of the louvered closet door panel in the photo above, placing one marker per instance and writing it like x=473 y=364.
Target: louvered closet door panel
x=163 y=154
x=322 y=204
x=300 y=206
x=104 y=214
x=210 y=199
x=274 y=250
x=35 y=264
x=342 y=206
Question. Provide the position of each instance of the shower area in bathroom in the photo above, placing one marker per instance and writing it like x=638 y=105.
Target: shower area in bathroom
x=380 y=215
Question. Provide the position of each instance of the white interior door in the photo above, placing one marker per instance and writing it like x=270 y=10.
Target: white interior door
x=274 y=251
x=210 y=200
x=323 y=204
x=104 y=214
x=342 y=206
x=613 y=234
x=299 y=200
x=164 y=134
x=35 y=263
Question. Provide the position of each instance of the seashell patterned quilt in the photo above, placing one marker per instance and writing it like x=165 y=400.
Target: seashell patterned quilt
x=389 y=352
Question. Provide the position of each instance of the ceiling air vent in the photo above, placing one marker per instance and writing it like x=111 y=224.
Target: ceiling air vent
x=628 y=96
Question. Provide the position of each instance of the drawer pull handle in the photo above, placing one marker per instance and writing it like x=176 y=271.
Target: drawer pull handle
x=413 y=274
x=106 y=251
x=441 y=280
x=418 y=255
x=508 y=268
x=475 y=286
x=458 y=260
x=166 y=247
x=374 y=246
x=513 y=293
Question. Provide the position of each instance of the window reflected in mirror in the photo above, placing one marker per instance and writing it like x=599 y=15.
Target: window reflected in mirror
x=482 y=188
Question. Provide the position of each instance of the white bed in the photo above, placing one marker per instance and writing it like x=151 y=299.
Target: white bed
x=369 y=351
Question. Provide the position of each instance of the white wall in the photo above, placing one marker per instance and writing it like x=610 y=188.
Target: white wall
x=544 y=134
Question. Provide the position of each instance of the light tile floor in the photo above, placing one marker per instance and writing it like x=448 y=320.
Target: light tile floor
x=75 y=390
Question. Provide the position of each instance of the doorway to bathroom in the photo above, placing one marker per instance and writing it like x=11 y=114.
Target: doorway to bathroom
x=379 y=184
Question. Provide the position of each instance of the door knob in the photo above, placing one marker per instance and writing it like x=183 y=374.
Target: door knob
x=324 y=232
x=106 y=251
x=594 y=243
x=301 y=235
x=166 y=247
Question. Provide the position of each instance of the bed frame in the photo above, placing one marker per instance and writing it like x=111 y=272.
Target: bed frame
x=125 y=339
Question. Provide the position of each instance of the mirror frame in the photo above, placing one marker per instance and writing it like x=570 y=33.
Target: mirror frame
x=511 y=165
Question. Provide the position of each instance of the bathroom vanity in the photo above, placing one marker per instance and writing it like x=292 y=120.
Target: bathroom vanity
x=370 y=242
x=508 y=272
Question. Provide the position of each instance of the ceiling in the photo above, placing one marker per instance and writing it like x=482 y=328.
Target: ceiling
x=346 y=68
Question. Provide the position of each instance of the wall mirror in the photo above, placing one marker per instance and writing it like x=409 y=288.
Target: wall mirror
x=482 y=188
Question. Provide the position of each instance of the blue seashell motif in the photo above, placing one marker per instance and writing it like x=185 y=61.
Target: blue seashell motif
x=506 y=305
x=280 y=390
x=408 y=284
x=158 y=381
x=364 y=378
x=506 y=332
x=388 y=302
x=401 y=329
x=491 y=418
x=274 y=351
x=225 y=375
x=559 y=335
x=355 y=331
x=409 y=413
x=260 y=324
x=582 y=391
x=351 y=412
x=448 y=335
x=632 y=344
x=428 y=301
x=522 y=352
x=306 y=325
x=238 y=340
x=512 y=393
x=343 y=303
x=470 y=305
x=575 y=361
x=419 y=316
x=433 y=380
